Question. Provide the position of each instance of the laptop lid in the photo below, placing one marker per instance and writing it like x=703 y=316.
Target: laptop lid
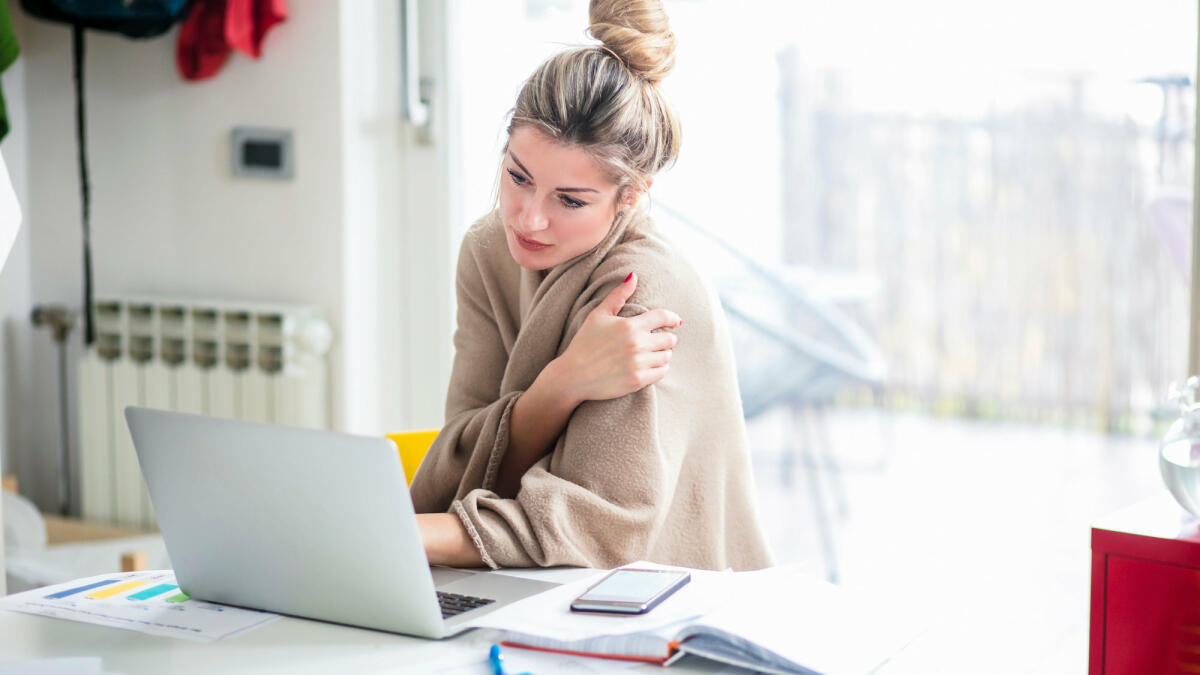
x=311 y=523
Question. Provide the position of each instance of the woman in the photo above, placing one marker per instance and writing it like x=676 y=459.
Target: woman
x=567 y=441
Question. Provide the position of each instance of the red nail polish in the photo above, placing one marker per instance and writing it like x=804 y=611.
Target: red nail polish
x=628 y=278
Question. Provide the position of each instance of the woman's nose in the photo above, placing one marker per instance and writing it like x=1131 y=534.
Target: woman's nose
x=533 y=218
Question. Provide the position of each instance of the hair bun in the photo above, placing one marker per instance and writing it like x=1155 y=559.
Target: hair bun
x=637 y=33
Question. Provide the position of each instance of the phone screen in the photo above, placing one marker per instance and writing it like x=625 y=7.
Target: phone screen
x=632 y=586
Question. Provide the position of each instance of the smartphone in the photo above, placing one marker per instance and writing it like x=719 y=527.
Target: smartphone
x=630 y=591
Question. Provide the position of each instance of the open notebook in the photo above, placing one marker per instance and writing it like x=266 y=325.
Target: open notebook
x=775 y=620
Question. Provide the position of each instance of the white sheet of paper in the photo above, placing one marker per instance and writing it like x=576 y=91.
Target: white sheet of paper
x=549 y=614
x=805 y=619
x=814 y=623
x=190 y=620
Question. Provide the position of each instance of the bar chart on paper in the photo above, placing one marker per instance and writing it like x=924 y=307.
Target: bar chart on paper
x=148 y=602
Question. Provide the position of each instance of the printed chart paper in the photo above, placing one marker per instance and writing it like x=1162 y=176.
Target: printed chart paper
x=147 y=602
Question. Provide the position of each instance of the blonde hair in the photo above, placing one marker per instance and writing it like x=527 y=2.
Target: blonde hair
x=606 y=98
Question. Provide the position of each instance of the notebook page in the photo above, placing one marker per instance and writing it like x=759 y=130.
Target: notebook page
x=807 y=622
x=548 y=614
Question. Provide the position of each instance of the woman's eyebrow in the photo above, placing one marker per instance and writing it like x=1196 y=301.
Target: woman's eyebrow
x=561 y=189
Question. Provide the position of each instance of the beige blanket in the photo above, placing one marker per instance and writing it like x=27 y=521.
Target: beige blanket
x=661 y=474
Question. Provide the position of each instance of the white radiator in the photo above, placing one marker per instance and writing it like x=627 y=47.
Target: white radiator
x=245 y=361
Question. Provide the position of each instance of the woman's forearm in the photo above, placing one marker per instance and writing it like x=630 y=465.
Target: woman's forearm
x=537 y=419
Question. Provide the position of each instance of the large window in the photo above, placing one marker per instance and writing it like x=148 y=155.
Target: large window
x=998 y=199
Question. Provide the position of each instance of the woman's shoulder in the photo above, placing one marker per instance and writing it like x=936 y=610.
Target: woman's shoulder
x=483 y=247
x=666 y=278
x=485 y=268
x=484 y=235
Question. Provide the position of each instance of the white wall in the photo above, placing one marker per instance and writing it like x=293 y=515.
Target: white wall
x=168 y=217
x=15 y=374
x=16 y=367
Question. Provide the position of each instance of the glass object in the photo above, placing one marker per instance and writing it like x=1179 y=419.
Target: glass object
x=1179 y=452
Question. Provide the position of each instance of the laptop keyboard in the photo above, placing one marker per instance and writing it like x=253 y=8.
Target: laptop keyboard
x=454 y=604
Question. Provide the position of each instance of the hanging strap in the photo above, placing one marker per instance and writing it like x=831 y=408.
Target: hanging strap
x=89 y=332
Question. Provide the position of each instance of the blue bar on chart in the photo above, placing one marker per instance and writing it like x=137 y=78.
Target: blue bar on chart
x=152 y=591
x=79 y=589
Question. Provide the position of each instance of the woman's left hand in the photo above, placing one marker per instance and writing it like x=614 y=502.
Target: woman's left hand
x=611 y=355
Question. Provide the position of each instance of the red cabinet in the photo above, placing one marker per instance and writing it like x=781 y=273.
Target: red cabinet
x=1146 y=591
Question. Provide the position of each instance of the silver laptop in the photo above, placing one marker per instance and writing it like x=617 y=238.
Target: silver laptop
x=316 y=524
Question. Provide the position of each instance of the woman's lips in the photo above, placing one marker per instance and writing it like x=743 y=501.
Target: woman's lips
x=529 y=244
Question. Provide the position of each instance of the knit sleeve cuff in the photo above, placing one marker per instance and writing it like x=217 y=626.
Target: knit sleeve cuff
x=457 y=508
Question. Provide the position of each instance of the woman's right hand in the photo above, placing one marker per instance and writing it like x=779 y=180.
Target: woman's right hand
x=611 y=355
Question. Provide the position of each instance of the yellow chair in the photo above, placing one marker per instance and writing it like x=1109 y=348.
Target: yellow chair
x=413 y=445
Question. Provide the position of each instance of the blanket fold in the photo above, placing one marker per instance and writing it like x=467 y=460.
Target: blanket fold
x=662 y=474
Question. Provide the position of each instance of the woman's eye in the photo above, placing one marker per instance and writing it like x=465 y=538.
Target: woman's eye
x=571 y=203
x=516 y=177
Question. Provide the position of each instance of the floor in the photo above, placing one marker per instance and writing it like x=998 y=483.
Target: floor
x=981 y=528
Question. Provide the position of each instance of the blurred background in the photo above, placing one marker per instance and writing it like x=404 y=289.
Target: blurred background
x=991 y=196
x=952 y=242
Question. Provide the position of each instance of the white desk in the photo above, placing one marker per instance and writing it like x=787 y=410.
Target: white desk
x=291 y=645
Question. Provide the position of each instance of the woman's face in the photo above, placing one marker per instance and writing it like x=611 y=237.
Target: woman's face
x=555 y=200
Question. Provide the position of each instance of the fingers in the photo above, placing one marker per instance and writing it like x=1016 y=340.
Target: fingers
x=650 y=360
x=657 y=318
x=653 y=375
x=618 y=296
x=656 y=342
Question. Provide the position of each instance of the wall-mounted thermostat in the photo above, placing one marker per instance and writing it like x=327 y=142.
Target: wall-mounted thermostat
x=266 y=153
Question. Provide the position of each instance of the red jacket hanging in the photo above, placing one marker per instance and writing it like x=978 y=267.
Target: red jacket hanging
x=216 y=27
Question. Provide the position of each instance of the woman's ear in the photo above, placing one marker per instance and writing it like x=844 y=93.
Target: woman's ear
x=631 y=195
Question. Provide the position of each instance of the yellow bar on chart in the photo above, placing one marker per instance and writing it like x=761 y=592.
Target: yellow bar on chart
x=113 y=590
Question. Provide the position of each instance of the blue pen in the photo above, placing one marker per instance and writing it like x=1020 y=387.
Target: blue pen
x=497 y=660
